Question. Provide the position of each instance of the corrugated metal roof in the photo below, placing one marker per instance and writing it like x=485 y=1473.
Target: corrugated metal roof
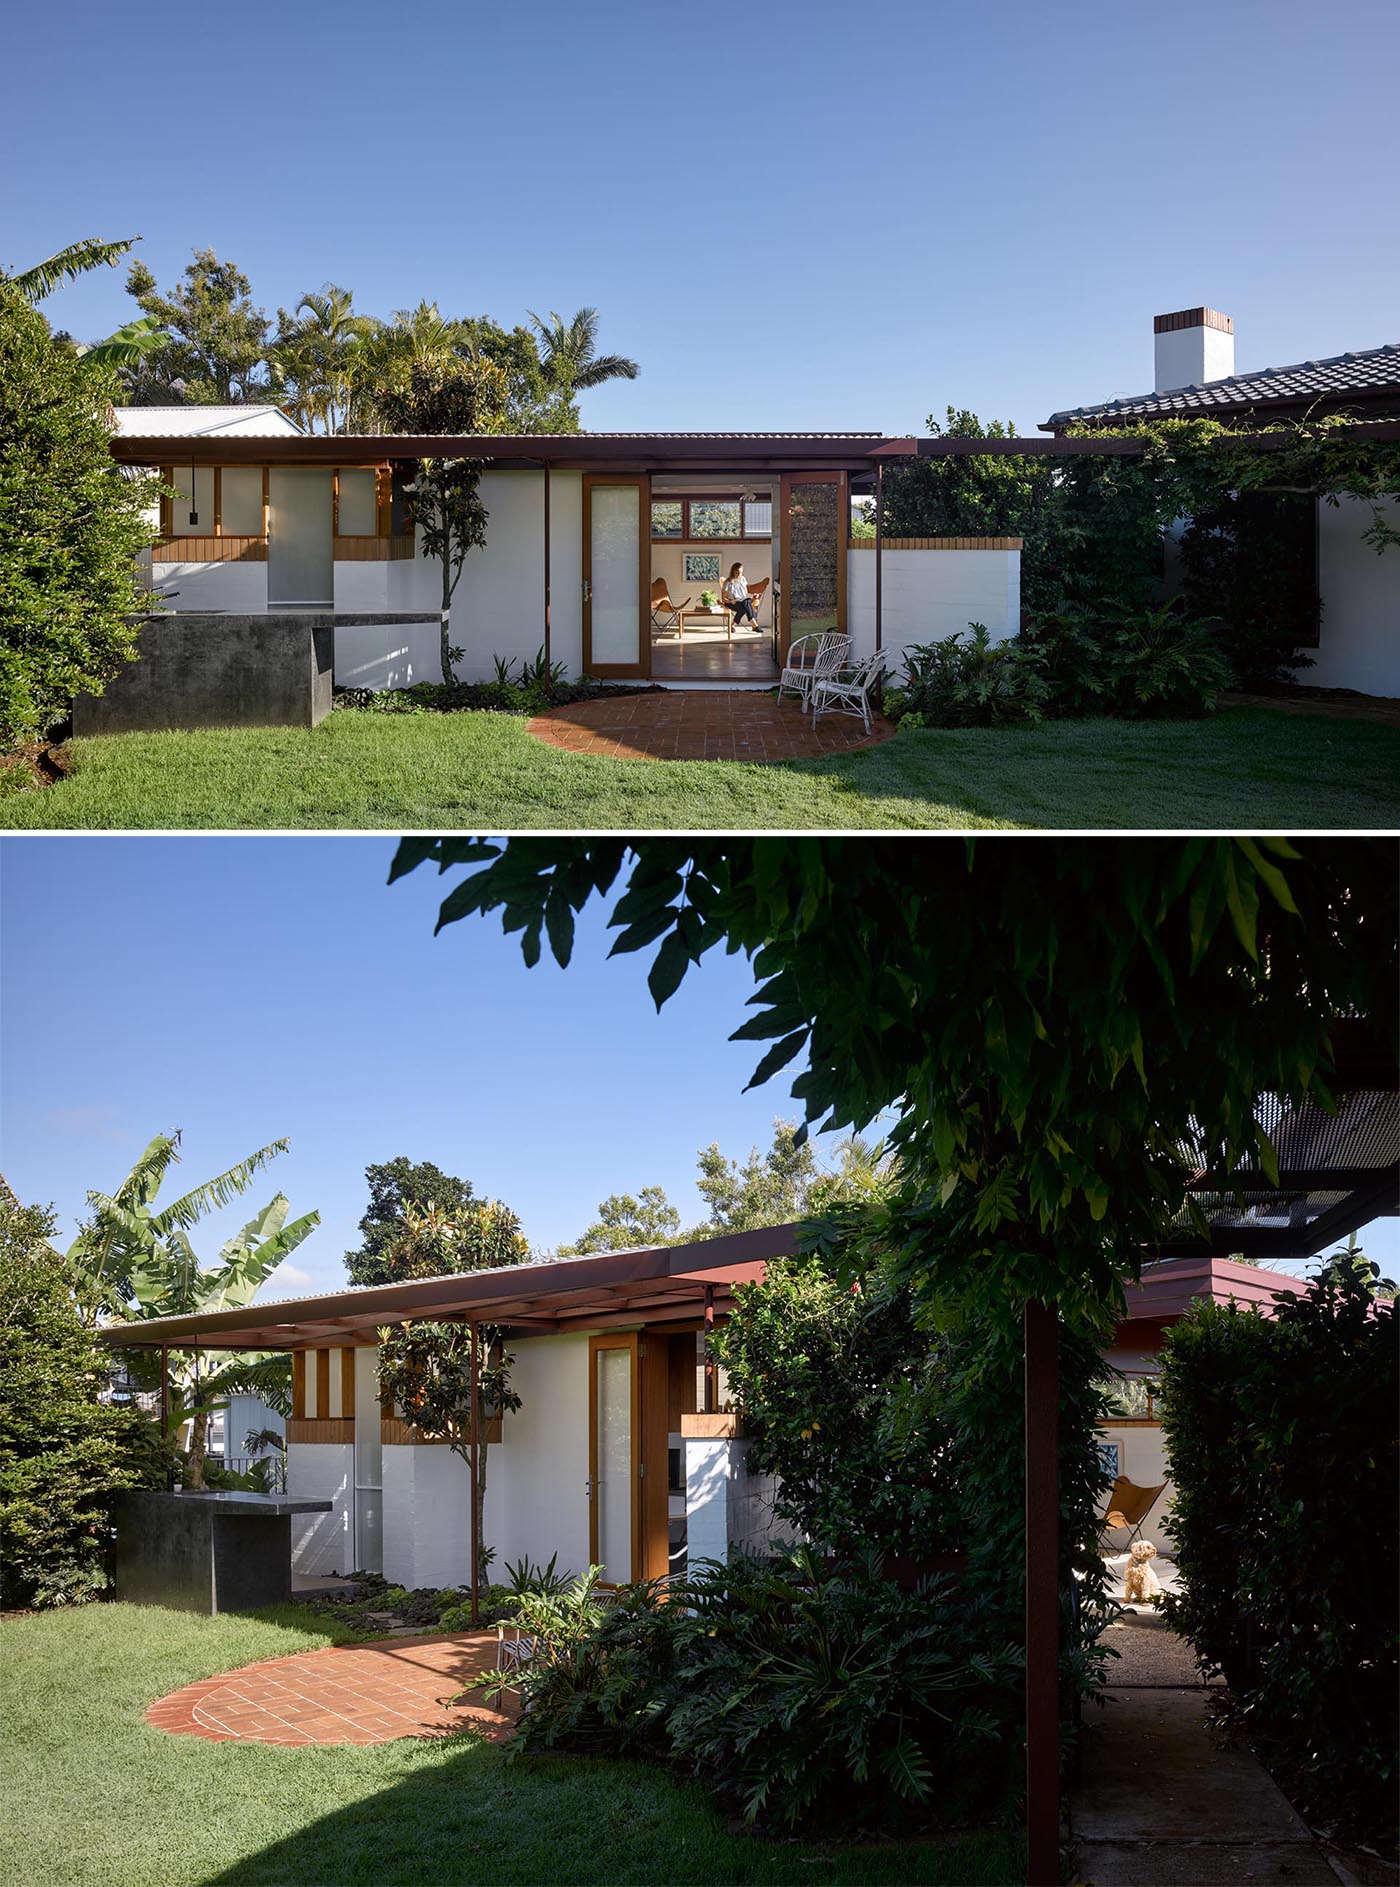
x=1374 y=371
x=195 y=422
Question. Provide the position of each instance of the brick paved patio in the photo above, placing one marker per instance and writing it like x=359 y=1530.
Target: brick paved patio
x=362 y=1694
x=703 y=724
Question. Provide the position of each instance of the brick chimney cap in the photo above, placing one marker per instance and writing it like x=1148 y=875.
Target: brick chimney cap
x=1193 y=318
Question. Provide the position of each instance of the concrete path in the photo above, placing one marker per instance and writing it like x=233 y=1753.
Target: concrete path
x=1167 y=1800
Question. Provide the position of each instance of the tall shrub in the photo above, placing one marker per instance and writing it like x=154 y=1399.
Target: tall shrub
x=895 y=1433
x=1281 y=1435
x=71 y=524
x=63 y=1454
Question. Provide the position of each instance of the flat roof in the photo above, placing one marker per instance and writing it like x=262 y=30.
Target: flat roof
x=663 y=1284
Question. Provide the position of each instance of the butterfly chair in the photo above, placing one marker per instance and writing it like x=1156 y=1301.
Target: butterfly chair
x=1129 y=1506
x=665 y=615
x=810 y=657
x=757 y=592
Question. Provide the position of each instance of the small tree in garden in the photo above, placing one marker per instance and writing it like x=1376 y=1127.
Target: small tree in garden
x=462 y=396
x=426 y=1367
x=71 y=526
x=1281 y=1436
x=63 y=1453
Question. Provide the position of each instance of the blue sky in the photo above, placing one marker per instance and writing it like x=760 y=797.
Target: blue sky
x=792 y=215
x=249 y=989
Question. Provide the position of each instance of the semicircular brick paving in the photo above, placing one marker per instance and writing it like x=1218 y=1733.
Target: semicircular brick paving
x=703 y=724
x=362 y=1694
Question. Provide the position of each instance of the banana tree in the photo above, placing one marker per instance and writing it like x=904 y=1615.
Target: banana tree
x=134 y=1260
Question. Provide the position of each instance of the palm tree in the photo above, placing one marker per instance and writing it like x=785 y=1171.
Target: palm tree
x=317 y=350
x=570 y=358
x=416 y=337
x=133 y=1260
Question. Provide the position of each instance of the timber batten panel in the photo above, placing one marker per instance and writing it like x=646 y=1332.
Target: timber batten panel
x=373 y=549
x=938 y=543
x=394 y=1433
x=304 y=1429
x=209 y=550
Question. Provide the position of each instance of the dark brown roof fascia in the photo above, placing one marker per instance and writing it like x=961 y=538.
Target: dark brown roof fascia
x=579 y=452
x=605 y=1283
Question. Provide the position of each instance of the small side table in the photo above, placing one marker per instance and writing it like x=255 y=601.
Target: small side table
x=710 y=618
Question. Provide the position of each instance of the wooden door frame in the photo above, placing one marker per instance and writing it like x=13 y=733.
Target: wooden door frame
x=614 y=1340
x=641 y=668
x=841 y=481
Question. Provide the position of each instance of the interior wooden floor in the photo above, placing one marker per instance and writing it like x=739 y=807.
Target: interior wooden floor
x=748 y=657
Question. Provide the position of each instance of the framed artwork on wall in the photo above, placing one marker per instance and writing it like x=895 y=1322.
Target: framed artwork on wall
x=702 y=566
x=1111 y=1457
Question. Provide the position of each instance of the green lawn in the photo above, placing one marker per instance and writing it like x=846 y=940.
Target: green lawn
x=1248 y=768
x=92 y=1796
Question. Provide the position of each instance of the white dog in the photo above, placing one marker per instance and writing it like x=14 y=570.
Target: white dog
x=1140 y=1584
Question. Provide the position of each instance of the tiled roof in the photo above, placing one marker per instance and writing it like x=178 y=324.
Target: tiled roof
x=1376 y=370
x=194 y=422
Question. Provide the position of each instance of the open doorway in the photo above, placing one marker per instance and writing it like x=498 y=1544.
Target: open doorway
x=706 y=533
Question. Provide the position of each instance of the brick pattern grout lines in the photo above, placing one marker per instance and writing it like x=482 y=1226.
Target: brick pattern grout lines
x=713 y=725
x=360 y=1694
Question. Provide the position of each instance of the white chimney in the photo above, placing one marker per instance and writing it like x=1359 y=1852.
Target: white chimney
x=1193 y=347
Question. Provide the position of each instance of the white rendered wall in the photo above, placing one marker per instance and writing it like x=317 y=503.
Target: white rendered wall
x=706 y=1499
x=1359 y=645
x=498 y=606
x=240 y=588
x=928 y=594
x=427 y=1538
x=539 y=1470
x=1192 y=357
x=319 y=1470
x=725 y=1505
x=375 y=655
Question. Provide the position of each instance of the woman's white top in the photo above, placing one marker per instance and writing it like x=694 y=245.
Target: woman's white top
x=735 y=589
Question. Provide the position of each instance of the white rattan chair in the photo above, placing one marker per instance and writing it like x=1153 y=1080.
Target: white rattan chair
x=809 y=658
x=847 y=690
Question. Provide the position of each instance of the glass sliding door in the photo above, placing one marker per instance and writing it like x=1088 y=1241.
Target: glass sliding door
x=616 y=575
x=612 y=1456
x=815 y=531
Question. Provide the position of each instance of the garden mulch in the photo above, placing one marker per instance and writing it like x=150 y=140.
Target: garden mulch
x=708 y=724
x=1335 y=704
x=360 y=1693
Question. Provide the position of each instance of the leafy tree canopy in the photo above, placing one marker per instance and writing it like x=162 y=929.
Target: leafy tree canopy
x=71 y=525
x=63 y=1453
x=424 y=1223
x=1063 y=1027
x=769 y=1188
x=218 y=338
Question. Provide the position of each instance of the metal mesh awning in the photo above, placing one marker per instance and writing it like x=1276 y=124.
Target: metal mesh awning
x=1336 y=1171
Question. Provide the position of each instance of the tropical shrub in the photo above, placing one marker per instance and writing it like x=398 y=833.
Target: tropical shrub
x=71 y=525
x=805 y=1696
x=1154 y=663
x=833 y=1699
x=599 y=1667
x=63 y=1453
x=1281 y=1435
x=968 y=681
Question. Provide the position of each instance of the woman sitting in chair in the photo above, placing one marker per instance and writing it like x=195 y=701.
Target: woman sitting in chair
x=735 y=593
